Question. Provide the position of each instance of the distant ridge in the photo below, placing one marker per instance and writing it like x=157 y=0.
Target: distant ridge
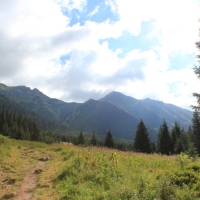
x=153 y=112
x=116 y=112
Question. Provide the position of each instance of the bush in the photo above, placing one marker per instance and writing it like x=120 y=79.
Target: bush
x=188 y=177
x=2 y=139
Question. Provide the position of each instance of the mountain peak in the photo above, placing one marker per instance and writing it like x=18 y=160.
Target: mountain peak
x=118 y=97
x=37 y=92
x=89 y=101
x=19 y=92
x=114 y=93
x=3 y=87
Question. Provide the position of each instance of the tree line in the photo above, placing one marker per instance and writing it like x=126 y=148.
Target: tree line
x=43 y=123
x=174 y=142
x=18 y=126
x=95 y=140
x=168 y=142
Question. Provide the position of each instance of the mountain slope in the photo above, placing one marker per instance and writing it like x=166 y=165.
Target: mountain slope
x=42 y=122
x=151 y=111
x=117 y=112
x=35 y=100
x=100 y=117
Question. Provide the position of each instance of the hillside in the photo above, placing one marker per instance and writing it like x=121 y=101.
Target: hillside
x=42 y=122
x=102 y=117
x=151 y=111
x=35 y=100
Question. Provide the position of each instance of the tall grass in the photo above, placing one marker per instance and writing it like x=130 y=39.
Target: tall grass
x=88 y=173
x=92 y=173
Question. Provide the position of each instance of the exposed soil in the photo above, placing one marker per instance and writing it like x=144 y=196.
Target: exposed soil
x=25 y=192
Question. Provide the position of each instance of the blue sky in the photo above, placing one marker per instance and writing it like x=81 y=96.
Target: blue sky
x=128 y=42
x=75 y=50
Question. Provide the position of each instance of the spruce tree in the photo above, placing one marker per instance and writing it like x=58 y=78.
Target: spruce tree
x=4 y=122
x=14 y=126
x=196 y=130
x=191 y=150
x=195 y=120
x=179 y=147
x=27 y=135
x=109 y=141
x=175 y=135
x=153 y=147
x=164 y=140
x=9 y=122
x=93 y=140
x=142 y=141
x=34 y=131
x=81 y=139
x=197 y=72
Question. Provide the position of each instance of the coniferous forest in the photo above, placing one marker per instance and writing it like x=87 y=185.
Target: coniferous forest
x=19 y=126
x=18 y=122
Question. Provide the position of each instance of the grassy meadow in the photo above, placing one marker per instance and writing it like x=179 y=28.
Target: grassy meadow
x=75 y=172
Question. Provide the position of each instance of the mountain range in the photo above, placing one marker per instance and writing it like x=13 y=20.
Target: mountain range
x=115 y=112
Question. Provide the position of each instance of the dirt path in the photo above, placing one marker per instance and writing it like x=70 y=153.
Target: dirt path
x=25 y=192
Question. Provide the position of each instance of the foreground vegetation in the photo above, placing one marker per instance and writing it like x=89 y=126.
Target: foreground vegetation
x=76 y=172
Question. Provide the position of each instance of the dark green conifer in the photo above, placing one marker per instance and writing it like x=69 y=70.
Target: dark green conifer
x=93 y=140
x=175 y=135
x=164 y=141
x=81 y=139
x=142 y=141
x=14 y=126
x=20 y=131
x=196 y=130
x=4 y=124
x=34 y=131
x=109 y=141
x=153 y=147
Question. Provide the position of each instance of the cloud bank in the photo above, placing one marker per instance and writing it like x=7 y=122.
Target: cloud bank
x=63 y=48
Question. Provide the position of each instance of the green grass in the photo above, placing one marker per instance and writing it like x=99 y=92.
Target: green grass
x=92 y=173
x=75 y=172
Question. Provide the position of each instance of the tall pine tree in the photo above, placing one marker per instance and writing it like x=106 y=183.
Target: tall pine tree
x=81 y=139
x=175 y=137
x=93 y=140
x=195 y=120
x=142 y=141
x=196 y=130
x=164 y=140
x=197 y=72
x=109 y=141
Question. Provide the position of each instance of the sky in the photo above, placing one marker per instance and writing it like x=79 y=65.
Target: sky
x=75 y=50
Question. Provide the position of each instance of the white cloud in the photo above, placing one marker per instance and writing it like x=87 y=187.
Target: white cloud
x=72 y=4
x=96 y=10
x=112 y=5
x=175 y=22
x=35 y=34
x=31 y=18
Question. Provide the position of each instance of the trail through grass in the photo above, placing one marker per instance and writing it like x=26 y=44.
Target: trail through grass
x=74 y=172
